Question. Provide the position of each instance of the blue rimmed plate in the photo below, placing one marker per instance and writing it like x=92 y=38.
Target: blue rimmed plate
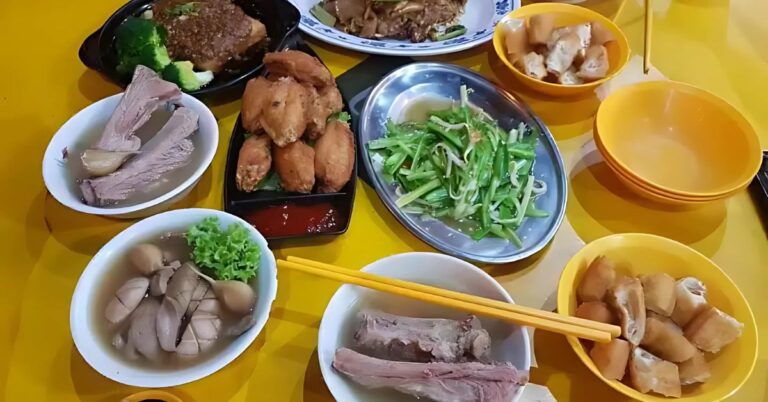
x=480 y=17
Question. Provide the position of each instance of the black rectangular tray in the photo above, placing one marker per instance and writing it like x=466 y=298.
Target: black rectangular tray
x=280 y=18
x=759 y=189
x=243 y=204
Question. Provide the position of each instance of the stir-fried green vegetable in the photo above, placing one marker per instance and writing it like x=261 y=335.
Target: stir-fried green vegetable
x=460 y=165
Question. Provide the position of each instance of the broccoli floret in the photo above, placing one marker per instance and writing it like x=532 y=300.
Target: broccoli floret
x=140 y=41
x=183 y=74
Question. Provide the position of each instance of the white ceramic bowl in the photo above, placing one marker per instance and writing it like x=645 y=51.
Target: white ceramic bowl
x=94 y=117
x=81 y=315
x=509 y=342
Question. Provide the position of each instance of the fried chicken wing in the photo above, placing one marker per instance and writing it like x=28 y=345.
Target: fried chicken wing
x=254 y=162
x=322 y=104
x=254 y=97
x=295 y=165
x=334 y=157
x=284 y=114
x=299 y=65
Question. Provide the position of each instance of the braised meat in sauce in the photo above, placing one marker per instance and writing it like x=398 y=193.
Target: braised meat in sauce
x=207 y=32
x=412 y=19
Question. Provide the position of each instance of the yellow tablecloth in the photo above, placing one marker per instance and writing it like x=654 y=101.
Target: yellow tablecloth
x=718 y=45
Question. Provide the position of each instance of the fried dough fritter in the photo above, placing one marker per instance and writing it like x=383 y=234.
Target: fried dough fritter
x=299 y=65
x=253 y=162
x=295 y=165
x=256 y=92
x=284 y=114
x=322 y=104
x=334 y=157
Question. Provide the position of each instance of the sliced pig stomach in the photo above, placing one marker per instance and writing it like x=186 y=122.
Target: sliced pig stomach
x=175 y=303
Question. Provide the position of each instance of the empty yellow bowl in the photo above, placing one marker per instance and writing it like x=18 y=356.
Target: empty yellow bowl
x=637 y=254
x=678 y=139
x=651 y=193
x=566 y=14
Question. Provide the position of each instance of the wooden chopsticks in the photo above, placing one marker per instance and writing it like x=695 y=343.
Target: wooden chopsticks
x=545 y=320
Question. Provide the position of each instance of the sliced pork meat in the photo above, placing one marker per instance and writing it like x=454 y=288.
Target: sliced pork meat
x=146 y=93
x=442 y=382
x=394 y=337
x=169 y=149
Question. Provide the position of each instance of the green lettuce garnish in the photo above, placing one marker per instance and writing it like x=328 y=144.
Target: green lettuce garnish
x=225 y=254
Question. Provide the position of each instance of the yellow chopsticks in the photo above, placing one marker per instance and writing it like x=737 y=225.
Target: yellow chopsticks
x=545 y=320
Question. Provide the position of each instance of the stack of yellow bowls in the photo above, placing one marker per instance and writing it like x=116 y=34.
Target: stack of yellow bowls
x=676 y=144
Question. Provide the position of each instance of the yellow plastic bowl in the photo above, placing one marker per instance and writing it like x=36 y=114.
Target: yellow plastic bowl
x=637 y=254
x=678 y=139
x=651 y=193
x=566 y=14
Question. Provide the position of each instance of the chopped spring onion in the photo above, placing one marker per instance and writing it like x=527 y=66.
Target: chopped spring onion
x=449 y=33
x=323 y=15
x=460 y=165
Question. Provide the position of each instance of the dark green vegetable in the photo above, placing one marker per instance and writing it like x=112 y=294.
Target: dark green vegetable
x=140 y=41
x=226 y=254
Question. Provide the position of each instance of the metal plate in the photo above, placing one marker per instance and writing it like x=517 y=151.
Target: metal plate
x=391 y=97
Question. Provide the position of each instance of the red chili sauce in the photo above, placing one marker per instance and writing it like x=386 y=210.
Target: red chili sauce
x=295 y=219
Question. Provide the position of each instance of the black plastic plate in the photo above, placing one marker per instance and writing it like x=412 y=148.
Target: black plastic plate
x=244 y=204
x=280 y=17
x=759 y=188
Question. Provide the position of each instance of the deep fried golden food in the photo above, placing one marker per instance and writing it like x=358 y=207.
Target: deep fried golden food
x=295 y=165
x=322 y=104
x=284 y=115
x=253 y=162
x=256 y=92
x=334 y=157
x=299 y=65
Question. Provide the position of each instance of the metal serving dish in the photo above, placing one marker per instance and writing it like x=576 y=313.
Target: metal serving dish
x=409 y=83
x=280 y=18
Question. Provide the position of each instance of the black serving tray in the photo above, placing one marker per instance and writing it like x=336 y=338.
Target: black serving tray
x=280 y=17
x=759 y=188
x=243 y=204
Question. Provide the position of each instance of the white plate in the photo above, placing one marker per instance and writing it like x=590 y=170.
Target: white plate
x=509 y=342
x=480 y=17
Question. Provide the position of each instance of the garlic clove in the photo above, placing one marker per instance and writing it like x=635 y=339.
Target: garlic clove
x=101 y=163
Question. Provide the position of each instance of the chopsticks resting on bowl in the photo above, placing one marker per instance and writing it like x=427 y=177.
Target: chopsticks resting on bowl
x=540 y=319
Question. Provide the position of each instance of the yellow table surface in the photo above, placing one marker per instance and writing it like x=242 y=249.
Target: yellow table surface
x=718 y=45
